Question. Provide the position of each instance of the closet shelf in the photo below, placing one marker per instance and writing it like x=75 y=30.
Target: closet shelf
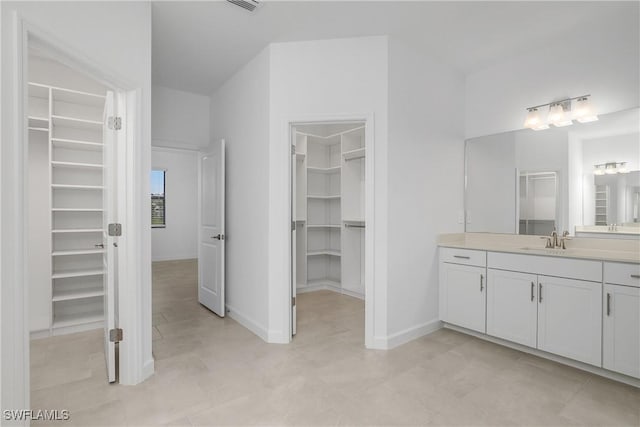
x=77 y=252
x=323 y=197
x=75 y=144
x=37 y=90
x=324 y=252
x=300 y=156
x=354 y=154
x=57 y=164
x=324 y=226
x=63 y=321
x=64 y=274
x=74 y=122
x=77 y=230
x=77 y=294
x=77 y=187
x=76 y=210
x=38 y=121
x=77 y=97
x=335 y=169
x=38 y=129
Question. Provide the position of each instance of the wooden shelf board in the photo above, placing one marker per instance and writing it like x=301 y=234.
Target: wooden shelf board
x=74 y=122
x=63 y=321
x=77 y=273
x=78 y=230
x=324 y=252
x=77 y=294
x=334 y=169
x=77 y=187
x=323 y=197
x=354 y=154
x=57 y=164
x=77 y=210
x=77 y=252
x=75 y=144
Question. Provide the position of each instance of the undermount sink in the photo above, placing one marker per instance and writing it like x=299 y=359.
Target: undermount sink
x=552 y=251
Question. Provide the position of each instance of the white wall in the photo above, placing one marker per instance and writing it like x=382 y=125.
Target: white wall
x=180 y=119
x=240 y=115
x=605 y=64
x=178 y=239
x=312 y=80
x=426 y=171
x=88 y=29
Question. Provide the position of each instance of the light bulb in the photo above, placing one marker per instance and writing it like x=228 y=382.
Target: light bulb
x=599 y=170
x=533 y=119
x=623 y=168
x=610 y=168
x=558 y=117
x=584 y=111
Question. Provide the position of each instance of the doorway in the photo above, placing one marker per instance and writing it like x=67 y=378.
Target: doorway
x=328 y=210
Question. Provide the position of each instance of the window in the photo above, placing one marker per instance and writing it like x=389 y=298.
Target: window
x=158 y=208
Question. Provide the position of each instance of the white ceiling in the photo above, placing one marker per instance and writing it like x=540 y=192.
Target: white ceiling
x=198 y=45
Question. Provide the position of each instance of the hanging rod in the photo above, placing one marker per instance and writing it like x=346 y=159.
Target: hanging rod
x=354 y=226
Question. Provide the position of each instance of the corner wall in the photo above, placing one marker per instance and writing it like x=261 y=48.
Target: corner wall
x=426 y=172
x=240 y=115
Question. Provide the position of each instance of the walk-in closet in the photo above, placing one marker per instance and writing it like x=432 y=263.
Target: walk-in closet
x=66 y=201
x=329 y=185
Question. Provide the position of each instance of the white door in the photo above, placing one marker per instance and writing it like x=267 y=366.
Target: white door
x=512 y=306
x=110 y=138
x=621 y=329
x=211 y=230
x=465 y=296
x=294 y=234
x=570 y=318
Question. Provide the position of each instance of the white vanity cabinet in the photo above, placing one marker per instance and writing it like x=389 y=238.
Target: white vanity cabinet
x=512 y=306
x=463 y=288
x=570 y=318
x=621 y=320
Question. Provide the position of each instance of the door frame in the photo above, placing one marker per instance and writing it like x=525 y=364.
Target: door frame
x=132 y=308
x=369 y=215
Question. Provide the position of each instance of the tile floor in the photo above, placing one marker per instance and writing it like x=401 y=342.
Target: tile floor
x=212 y=371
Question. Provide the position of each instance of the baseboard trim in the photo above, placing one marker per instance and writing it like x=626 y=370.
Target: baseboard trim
x=402 y=337
x=175 y=258
x=328 y=287
x=248 y=323
x=559 y=359
x=148 y=369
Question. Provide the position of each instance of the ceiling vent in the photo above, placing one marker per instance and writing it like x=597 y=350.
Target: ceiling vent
x=249 y=5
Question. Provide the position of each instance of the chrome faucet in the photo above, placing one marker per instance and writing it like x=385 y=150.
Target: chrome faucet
x=563 y=240
x=553 y=241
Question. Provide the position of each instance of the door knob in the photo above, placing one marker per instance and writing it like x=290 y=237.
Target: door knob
x=218 y=237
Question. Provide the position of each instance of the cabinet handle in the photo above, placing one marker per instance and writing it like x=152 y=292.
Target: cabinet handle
x=481 y=284
x=533 y=285
x=539 y=292
x=608 y=304
x=636 y=276
x=461 y=257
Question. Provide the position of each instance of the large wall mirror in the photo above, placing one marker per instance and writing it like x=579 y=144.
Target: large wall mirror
x=583 y=178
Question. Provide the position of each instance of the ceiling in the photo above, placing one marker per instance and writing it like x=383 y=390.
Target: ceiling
x=198 y=45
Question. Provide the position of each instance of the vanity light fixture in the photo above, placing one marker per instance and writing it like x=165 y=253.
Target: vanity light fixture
x=561 y=113
x=610 y=168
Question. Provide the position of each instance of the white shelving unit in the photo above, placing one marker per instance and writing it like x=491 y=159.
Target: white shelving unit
x=66 y=125
x=330 y=209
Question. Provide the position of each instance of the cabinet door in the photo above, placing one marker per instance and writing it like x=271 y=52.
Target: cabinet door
x=464 y=299
x=512 y=306
x=570 y=318
x=621 y=329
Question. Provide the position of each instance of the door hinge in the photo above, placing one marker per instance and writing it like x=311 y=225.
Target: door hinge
x=293 y=226
x=293 y=301
x=115 y=335
x=115 y=229
x=115 y=123
x=293 y=150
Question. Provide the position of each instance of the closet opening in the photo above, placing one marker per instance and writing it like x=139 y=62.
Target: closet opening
x=328 y=211
x=71 y=200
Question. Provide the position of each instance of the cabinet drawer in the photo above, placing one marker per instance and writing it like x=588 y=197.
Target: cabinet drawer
x=622 y=274
x=579 y=269
x=463 y=256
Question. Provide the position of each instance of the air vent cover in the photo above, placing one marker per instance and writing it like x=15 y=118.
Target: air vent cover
x=249 y=5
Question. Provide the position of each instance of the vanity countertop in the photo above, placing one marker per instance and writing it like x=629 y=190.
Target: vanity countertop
x=582 y=248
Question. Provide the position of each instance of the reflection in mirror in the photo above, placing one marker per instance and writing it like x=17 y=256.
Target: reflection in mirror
x=538 y=193
x=583 y=178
